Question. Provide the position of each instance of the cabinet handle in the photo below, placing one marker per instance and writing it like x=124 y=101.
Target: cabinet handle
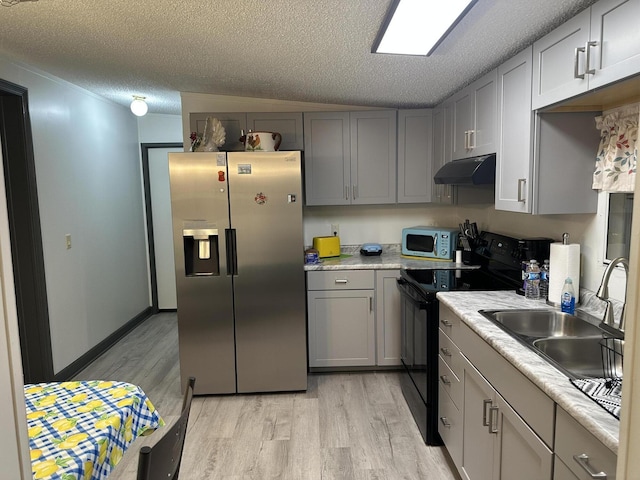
x=445 y=379
x=466 y=140
x=493 y=419
x=485 y=421
x=341 y=280
x=446 y=322
x=583 y=461
x=445 y=422
x=445 y=351
x=346 y=192
x=472 y=135
x=575 y=63
x=521 y=183
x=371 y=304
x=355 y=191
x=587 y=47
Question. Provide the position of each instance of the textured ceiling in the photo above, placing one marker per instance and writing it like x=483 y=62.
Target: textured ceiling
x=302 y=50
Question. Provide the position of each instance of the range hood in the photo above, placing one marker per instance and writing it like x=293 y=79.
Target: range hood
x=468 y=171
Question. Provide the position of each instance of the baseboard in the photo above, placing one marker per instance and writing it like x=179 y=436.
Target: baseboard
x=81 y=363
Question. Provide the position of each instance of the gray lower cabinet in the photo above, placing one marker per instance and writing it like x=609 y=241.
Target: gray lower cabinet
x=353 y=318
x=341 y=318
x=581 y=455
x=388 y=307
x=350 y=158
x=479 y=393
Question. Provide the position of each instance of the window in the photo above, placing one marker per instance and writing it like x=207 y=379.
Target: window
x=618 y=238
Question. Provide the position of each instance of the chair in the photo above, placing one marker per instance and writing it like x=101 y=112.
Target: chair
x=162 y=461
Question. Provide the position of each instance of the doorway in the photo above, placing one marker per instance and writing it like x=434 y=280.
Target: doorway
x=26 y=237
x=155 y=172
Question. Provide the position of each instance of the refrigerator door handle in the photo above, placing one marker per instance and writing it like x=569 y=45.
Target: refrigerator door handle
x=232 y=257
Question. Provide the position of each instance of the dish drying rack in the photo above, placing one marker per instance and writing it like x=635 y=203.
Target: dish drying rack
x=612 y=359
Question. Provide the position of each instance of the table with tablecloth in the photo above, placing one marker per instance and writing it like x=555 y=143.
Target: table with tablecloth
x=80 y=430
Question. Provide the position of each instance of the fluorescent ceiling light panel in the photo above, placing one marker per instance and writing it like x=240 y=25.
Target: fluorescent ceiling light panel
x=418 y=26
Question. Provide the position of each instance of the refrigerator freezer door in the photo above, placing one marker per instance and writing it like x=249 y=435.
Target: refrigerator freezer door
x=199 y=205
x=266 y=213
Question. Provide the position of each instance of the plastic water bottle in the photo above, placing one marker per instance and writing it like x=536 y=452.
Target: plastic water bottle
x=568 y=297
x=544 y=280
x=532 y=292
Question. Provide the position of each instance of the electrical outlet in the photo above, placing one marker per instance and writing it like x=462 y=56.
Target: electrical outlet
x=67 y=239
x=335 y=229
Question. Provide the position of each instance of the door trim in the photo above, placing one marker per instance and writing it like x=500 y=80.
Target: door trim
x=26 y=235
x=153 y=276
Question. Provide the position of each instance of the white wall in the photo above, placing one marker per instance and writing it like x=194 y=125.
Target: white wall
x=160 y=128
x=88 y=176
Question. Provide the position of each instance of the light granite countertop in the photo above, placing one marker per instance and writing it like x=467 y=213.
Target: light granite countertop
x=603 y=425
x=391 y=259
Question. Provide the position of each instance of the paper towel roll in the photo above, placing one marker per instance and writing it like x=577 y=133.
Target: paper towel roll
x=564 y=261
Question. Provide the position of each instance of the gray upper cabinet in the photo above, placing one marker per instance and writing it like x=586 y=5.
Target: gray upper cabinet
x=350 y=158
x=442 y=140
x=327 y=158
x=514 y=156
x=415 y=148
x=233 y=124
x=540 y=154
x=596 y=47
x=373 y=157
x=474 y=118
x=289 y=125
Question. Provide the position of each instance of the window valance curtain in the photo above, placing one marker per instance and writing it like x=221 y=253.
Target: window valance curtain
x=618 y=150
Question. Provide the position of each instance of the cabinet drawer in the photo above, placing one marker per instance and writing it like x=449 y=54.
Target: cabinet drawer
x=573 y=439
x=340 y=280
x=450 y=426
x=450 y=353
x=450 y=324
x=449 y=382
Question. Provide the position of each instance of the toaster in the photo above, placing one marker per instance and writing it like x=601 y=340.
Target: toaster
x=327 y=246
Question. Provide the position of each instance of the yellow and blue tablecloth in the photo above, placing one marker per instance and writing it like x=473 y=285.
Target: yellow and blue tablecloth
x=79 y=430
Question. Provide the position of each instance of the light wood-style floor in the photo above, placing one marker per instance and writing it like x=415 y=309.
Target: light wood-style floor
x=345 y=426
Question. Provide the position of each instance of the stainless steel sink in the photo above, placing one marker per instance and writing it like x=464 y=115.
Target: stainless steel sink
x=542 y=323
x=582 y=356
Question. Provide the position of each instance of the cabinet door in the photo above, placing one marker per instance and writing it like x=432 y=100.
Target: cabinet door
x=462 y=123
x=482 y=139
x=478 y=442
x=233 y=123
x=388 y=307
x=556 y=62
x=341 y=328
x=616 y=51
x=415 y=174
x=520 y=453
x=289 y=125
x=327 y=158
x=373 y=157
x=514 y=158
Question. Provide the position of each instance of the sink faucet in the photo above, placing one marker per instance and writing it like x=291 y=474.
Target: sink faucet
x=603 y=293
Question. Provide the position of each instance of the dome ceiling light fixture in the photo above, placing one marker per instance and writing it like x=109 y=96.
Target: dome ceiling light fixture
x=138 y=106
x=8 y=3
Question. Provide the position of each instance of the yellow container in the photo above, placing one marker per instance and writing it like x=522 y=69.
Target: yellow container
x=327 y=246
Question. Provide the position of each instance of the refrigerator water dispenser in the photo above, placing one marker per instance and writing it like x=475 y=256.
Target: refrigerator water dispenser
x=201 y=254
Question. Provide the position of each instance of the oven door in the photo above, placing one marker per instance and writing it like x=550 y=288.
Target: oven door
x=419 y=355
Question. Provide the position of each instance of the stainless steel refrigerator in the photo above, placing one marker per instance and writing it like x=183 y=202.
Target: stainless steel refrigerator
x=238 y=242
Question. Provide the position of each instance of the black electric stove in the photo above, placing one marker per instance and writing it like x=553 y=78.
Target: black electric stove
x=496 y=265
